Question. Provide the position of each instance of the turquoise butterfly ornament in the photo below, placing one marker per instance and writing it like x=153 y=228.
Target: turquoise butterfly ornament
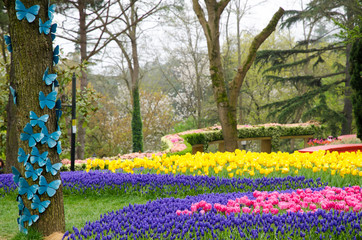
x=20 y=204
x=30 y=172
x=56 y=55
x=51 y=11
x=8 y=43
x=13 y=92
x=49 y=188
x=59 y=147
x=16 y=175
x=25 y=188
x=27 y=217
x=52 y=168
x=44 y=27
x=36 y=157
x=52 y=138
x=21 y=210
x=49 y=78
x=40 y=205
x=53 y=30
x=40 y=121
x=48 y=100
x=27 y=13
x=21 y=227
x=58 y=110
x=28 y=135
x=22 y=157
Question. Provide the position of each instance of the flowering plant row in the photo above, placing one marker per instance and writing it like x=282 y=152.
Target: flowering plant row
x=330 y=198
x=153 y=185
x=158 y=220
x=344 y=167
x=321 y=141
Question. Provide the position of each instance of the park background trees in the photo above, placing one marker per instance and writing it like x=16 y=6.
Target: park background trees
x=173 y=68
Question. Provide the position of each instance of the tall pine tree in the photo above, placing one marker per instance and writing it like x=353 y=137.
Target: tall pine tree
x=308 y=55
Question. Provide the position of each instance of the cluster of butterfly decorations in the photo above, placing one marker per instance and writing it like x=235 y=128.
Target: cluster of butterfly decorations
x=37 y=163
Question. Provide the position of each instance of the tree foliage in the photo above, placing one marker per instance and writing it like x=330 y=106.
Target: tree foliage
x=356 y=84
x=307 y=65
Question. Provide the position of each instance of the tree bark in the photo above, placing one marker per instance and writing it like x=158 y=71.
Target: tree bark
x=84 y=78
x=227 y=104
x=32 y=54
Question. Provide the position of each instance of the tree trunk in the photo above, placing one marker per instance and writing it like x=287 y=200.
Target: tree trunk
x=32 y=54
x=227 y=103
x=84 y=78
x=11 y=134
x=134 y=68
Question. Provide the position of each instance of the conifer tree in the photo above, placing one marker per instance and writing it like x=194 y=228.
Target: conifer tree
x=314 y=54
x=356 y=84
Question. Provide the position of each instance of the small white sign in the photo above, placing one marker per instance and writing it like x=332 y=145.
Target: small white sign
x=74 y=129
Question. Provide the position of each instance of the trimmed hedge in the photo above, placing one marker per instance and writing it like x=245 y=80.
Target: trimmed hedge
x=275 y=132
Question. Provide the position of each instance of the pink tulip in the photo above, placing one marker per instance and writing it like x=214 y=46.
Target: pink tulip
x=312 y=206
x=246 y=210
x=274 y=210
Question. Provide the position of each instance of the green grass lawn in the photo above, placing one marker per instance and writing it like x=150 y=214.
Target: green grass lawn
x=78 y=209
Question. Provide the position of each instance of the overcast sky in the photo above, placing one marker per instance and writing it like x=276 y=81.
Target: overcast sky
x=255 y=20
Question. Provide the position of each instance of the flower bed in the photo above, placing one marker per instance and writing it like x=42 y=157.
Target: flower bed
x=332 y=167
x=330 y=198
x=153 y=185
x=158 y=220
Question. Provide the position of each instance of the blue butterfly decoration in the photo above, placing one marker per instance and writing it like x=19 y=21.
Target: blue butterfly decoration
x=51 y=138
x=22 y=157
x=33 y=138
x=56 y=55
x=53 y=30
x=40 y=205
x=59 y=147
x=23 y=12
x=48 y=100
x=25 y=188
x=21 y=226
x=27 y=217
x=52 y=168
x=37 y=157
x=49 y=188
x=54 y=85
x=49 y=78
x=44 y=27
x=40 y=121
x=20 y=204
x=31 y=172
x=16 y=175
x=51 y=10
x=8 y=43
x=58 y=110
x=13 y=92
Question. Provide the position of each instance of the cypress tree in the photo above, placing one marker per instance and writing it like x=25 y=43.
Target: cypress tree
x=137 y=135
x=356 y=84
